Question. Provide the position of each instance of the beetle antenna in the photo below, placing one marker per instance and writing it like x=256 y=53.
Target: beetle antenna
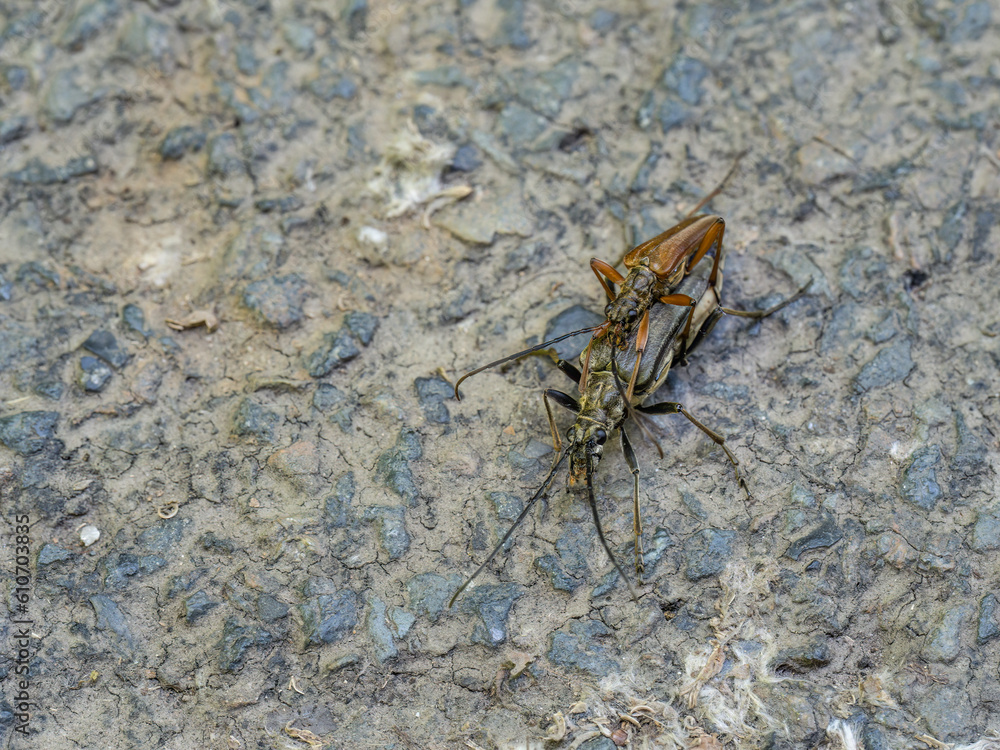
x=600 y=530
x=517 y=522
x=535 y=348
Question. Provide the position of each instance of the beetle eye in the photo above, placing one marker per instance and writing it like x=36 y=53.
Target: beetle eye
x=600 y=435
x=632 y=315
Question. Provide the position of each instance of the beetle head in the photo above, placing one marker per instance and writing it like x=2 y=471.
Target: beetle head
x=586 y=446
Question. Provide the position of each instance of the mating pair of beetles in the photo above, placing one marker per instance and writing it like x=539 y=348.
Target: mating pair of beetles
x=668 y=302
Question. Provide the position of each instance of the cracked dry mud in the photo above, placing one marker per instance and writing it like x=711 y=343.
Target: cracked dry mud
x=240 y=266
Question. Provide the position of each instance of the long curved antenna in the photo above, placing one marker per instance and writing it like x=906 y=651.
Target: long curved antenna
x=720 y=187
x=521 y=354
x=510 y=531
x=600 y=530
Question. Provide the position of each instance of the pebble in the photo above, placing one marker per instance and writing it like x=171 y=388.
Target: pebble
x=329 y=617
x=919 y=482
x=28 y=432
x=254 y=421
x=94 y=374
x=707 y=553
x=392 y=468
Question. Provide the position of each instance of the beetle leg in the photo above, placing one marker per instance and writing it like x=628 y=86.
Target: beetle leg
x=682 y=300
x=602 y=270
x=706 y=328
x=633 y=466
x=563 y=399
x=669 y=407
x=712 y=236
x=769 y=311
x=569 y=370
x=640 y=346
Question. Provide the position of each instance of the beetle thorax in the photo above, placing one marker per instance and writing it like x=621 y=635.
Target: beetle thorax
x=635 y=295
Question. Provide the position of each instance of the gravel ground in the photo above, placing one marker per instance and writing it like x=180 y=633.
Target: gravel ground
x=245 y=250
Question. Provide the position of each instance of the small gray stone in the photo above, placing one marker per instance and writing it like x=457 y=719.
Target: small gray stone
x=145 y=37
x=38 y=173
x=246 y=61
x=27 y=432
x=235 y=641
x=337 y=349
x=603 y=20
x=254 y=421
x=277 y=300
x=561 y=581
x=329 y=617
x=970 y=456
x=88 y=21
x=986 y=531
x=52 y=553
x=890 y=365
x=507 y=505
x=988 y=626
x=198 y=605
x=943 y=643
x=919 y=484
x=466 y=159
x=65 y=96
x=338 y=505
x=571 y=319
x=165 y=536
x=333 y=402
x=105 y=345
x=135 y=320
x=270 y=609
x=180 y=141
x=432 y=393
x=282 y=204
x=17 y=76
x=684 y=77
x=330 y=86
x=401 y=621
x=363 y=325
x=390 y=522
x=429 y=593
x=802 y=659
x=581 y=648
x=948 y=711
x=492 y=602
x=975 y=21
x=708 y=552
x=378 y=628
x=520 y=125
x=94 y=374
x=299 y=36
x=444 y=75
x=111 y=618
x=224 y=157
x=825 y=535
x=392 y=467
x=15 y=128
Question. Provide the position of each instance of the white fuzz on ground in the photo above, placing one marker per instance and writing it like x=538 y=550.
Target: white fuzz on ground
x=409 y=174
